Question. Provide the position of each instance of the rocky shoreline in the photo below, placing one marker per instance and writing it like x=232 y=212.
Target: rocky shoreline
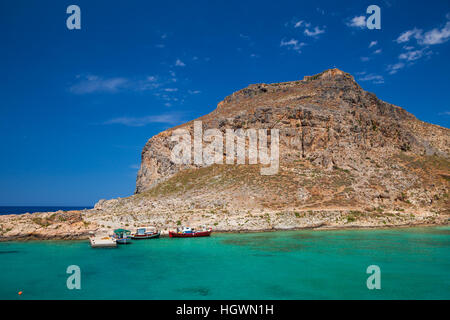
x=77 y=225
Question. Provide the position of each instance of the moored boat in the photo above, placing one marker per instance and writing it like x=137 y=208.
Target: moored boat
x=102 y=242
x=122 y=236
x=145 y=233
x=187 y=232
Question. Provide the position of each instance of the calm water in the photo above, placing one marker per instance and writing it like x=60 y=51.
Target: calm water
x=19 y=210
x=281 y=265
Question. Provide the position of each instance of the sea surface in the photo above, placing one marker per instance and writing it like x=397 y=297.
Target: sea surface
x=414 y=264
x=19 y=210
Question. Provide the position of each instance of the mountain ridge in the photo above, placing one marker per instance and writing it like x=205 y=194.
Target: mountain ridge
x=312 y=94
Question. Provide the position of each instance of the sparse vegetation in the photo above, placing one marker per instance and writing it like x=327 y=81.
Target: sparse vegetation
x=42 y=222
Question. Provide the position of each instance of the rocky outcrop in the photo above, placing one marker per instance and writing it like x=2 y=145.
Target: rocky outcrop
x=347 y=159
x=46 y=226
x=329 y=121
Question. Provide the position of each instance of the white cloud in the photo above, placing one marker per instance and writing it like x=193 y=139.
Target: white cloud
x=149 y=83
x=407 y=35
x=92 y=84
x=173 y=76
x=377 y=51
x=445 y=113
x=298 y=24
x=194 y=91
x=95 y=84
x=424 y=40
x=179 y=63
x=314 y=33
x=375 y=78
x=373 y=43
x=357 y=22
x=308 y=30
x=393 y=68
x=169 y=118
x=365 y=59
x=432 y=37
x=293 y=44
x=436 y=36
x=321 y=11
x=411 y=55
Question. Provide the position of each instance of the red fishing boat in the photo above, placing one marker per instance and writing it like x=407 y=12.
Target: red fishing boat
x=190 y=233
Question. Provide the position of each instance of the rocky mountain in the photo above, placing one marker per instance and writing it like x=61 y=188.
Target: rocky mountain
x=338 y=144
x=346 y=159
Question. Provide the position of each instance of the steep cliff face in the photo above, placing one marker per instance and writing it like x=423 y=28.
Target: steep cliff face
x=330 y=125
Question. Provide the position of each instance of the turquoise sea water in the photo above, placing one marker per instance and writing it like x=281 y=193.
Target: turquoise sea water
x=414 y=263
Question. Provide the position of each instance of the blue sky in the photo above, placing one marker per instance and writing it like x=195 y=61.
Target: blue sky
x=77 y=106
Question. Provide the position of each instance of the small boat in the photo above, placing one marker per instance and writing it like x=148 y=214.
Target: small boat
x=145 y=233
x=187 y=232
x=122 y=236
x=103 y=242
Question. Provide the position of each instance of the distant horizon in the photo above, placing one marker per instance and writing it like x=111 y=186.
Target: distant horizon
x=42 y=206
x=6 y=210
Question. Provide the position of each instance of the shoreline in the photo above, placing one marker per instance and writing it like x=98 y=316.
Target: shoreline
x=343 y=228
x=321 y=227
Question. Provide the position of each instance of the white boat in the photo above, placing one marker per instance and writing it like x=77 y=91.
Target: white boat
x=103 y=242
x=145 y=233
